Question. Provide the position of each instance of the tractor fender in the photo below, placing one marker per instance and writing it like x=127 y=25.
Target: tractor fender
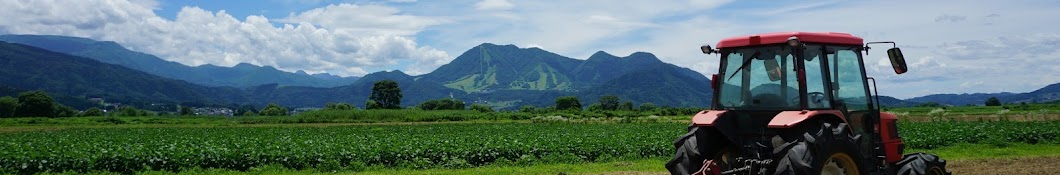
x=788 y=119
x=893 y=146
x=706 y=117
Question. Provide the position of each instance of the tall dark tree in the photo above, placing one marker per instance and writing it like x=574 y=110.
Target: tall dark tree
x=568 y=102
x=609 y=102
x=35 y=104
x=993 y=101
x=7 y=106
x=387 y=94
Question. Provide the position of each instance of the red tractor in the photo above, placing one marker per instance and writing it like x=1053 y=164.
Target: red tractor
x=796 y=103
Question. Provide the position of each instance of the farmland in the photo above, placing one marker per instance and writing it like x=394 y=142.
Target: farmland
x=326 y=148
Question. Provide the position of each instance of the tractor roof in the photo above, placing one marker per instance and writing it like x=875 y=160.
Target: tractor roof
x=782 y=37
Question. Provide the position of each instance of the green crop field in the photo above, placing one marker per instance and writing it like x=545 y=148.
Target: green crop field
x=353 y=148
x=403 y=146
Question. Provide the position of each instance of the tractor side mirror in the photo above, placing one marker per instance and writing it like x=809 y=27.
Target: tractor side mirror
x=707 y=50
x=714 y=81
x=897 y=60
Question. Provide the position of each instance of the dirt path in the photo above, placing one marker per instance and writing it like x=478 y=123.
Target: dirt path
x=1006 y=166
x=1034 y=165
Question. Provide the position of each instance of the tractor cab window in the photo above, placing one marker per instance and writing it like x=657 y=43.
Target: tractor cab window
x=816 y=96
x=848 y=78
x=759 y=78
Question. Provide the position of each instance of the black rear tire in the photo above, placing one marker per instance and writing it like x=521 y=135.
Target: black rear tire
x=819 y=147
x=922 y=164
x=692 y=150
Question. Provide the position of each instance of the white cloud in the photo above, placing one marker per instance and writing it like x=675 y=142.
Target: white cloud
x=363 y=19
x=494 y=5
x=374 y=39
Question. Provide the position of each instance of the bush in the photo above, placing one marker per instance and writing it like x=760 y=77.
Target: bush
x=339 y=106
x=442 y=104
x=481 y=108
x=92 y=112
x=273 y=110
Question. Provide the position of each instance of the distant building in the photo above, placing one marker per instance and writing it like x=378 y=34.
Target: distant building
x=297 y=111
x=213 y=111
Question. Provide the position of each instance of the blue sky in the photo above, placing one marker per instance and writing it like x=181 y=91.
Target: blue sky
x=952 y=46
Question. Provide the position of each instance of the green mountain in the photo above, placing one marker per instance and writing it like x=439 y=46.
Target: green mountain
x=490 y=67
x=30 y=68
x=241 y=75
x=663 y=84
x=508 y=76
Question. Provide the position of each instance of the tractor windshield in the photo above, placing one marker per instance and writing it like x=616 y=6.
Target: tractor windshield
x=764 y=78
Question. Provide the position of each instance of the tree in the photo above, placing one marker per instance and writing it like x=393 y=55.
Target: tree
x=246 y=109
x=387 y=94
x=568 y=102
x=64 y=111
x=527 y=109
x=186 y=111
x=273 y=110
x=647 y=107
x=128 y=111
x=993 y=101
x=626 y=106
x=609 y=102
x=339 y=106
x=481 y=108
x=92 y=112
x=596 y=107
x=7 y=106
x=35 y=104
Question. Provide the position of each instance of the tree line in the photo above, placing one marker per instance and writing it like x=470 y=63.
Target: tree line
x=386 y=94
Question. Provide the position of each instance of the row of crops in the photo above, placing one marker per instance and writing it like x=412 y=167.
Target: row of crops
x=355 y=148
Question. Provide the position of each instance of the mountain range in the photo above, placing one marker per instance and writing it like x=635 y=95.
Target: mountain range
x=240 y=75
x=502 y=76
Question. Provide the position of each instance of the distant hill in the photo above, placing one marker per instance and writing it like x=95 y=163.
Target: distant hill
x=30 y=68
x=889 y=101
x=241 y=75
x=1045 y=94
x=957 y=99
x=661 y=84
x=1048 y=93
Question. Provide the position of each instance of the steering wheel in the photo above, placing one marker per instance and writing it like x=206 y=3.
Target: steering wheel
x=814 y=97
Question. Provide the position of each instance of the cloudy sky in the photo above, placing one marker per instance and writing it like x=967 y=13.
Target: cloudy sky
x=952 y=46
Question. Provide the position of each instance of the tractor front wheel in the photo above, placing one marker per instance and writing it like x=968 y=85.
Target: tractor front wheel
x=828 y=149
x=922 y=164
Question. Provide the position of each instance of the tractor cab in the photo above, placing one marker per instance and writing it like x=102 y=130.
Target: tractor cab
x=794 y=103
